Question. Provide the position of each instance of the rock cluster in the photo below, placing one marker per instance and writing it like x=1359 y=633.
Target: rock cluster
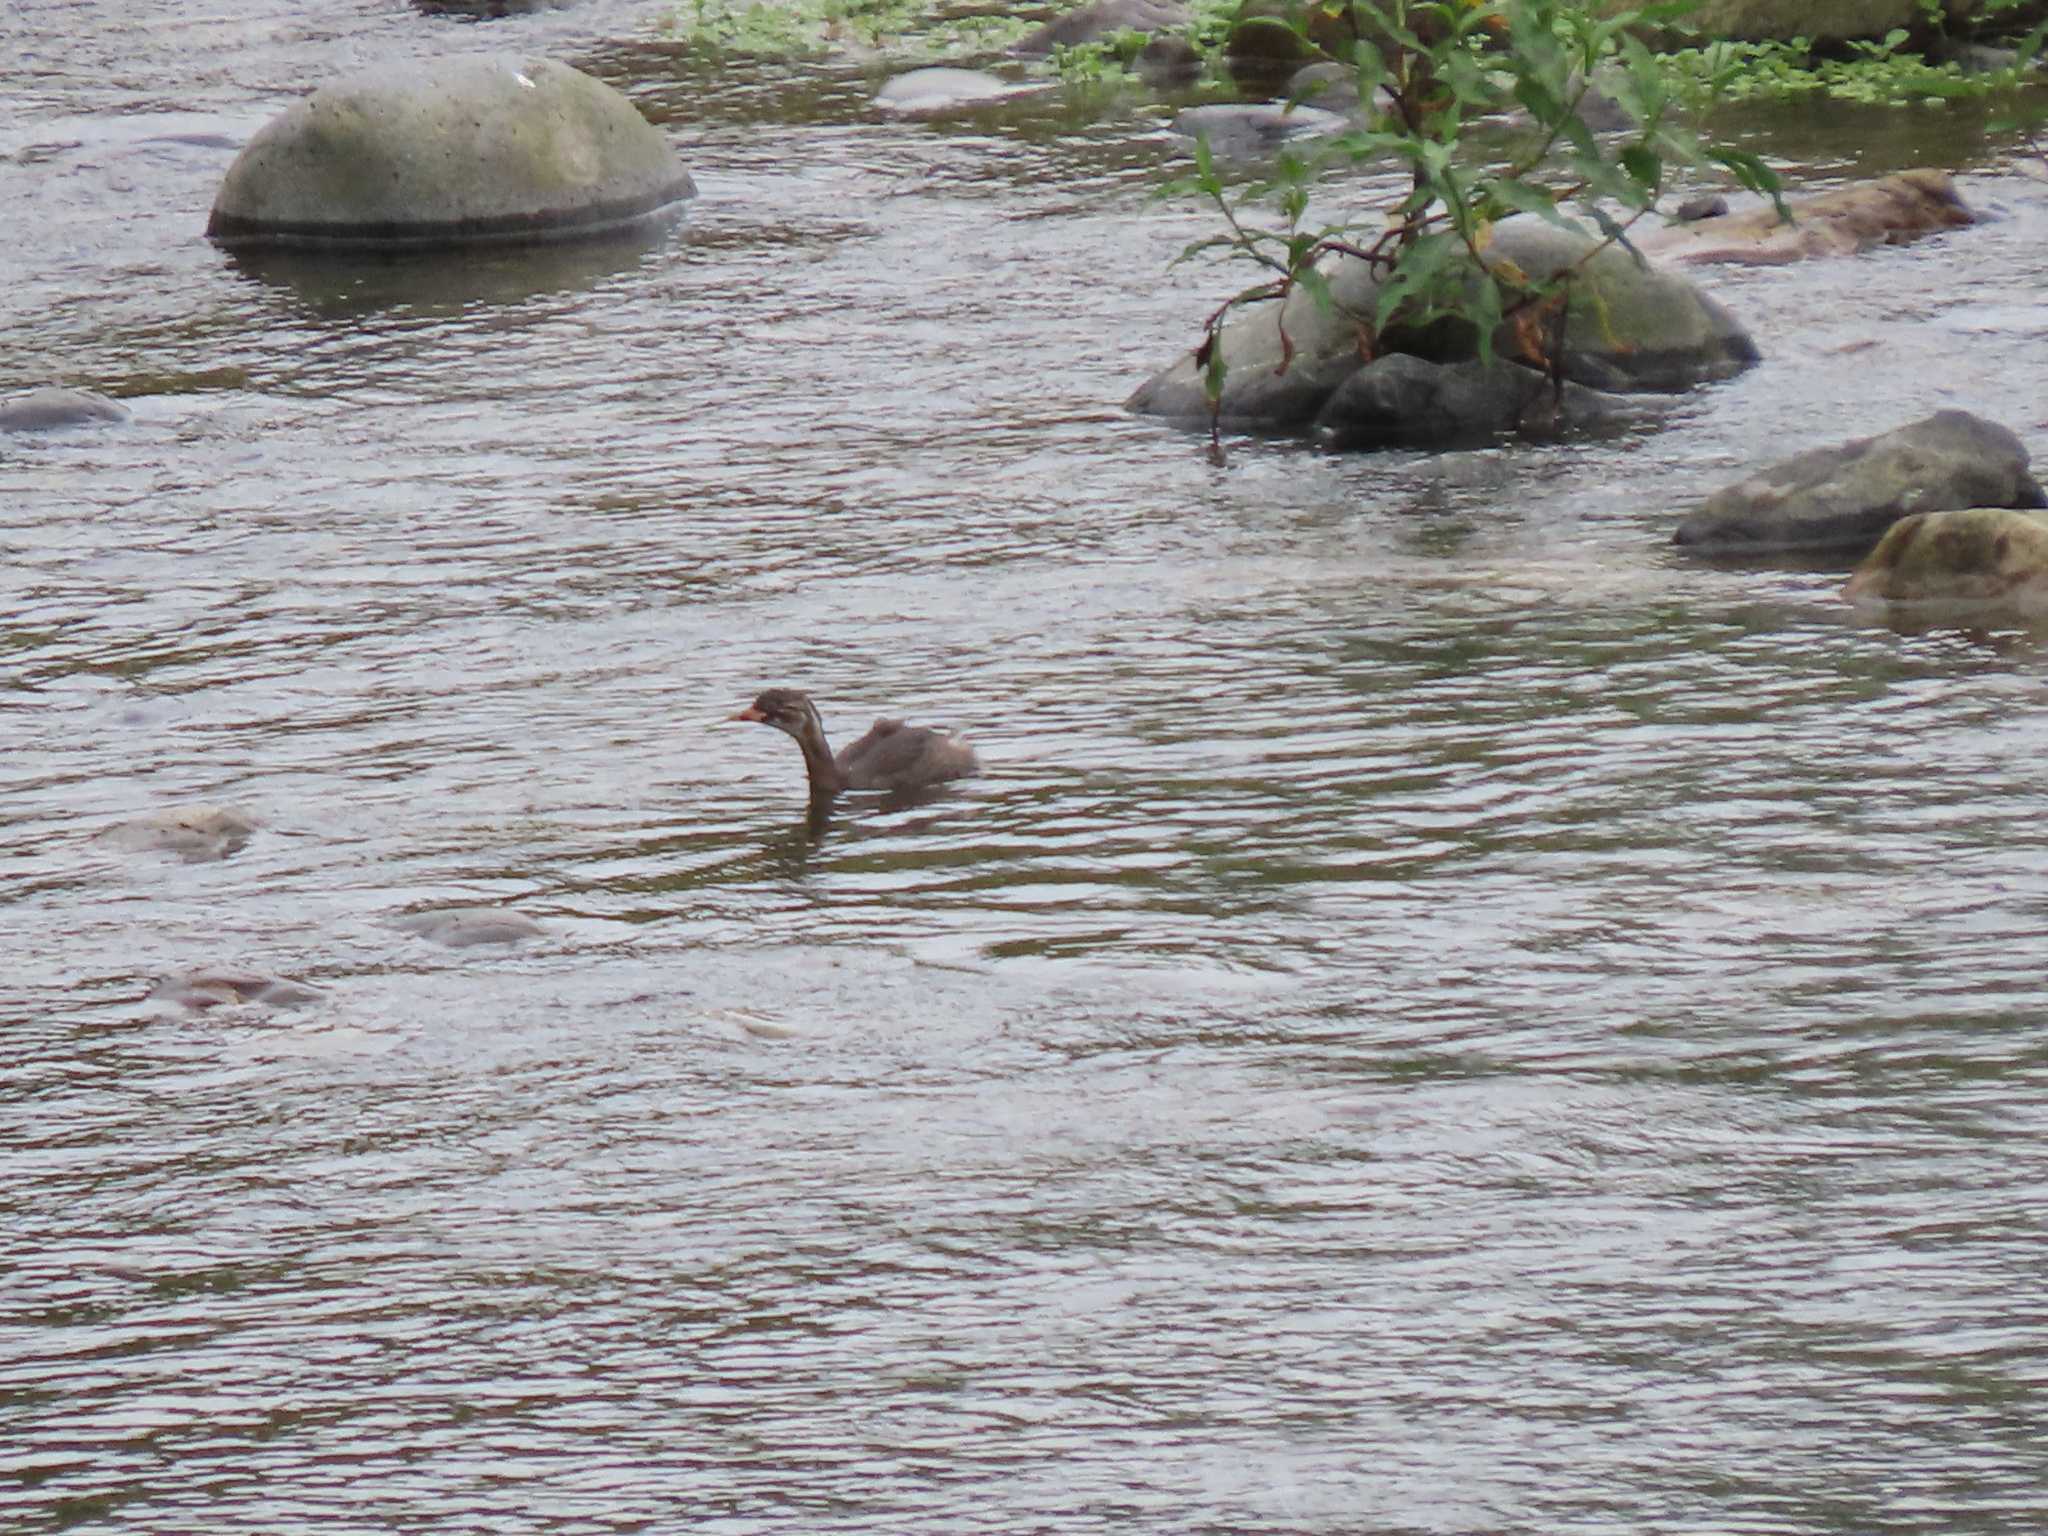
x=1842 y=499
x=1630 y=327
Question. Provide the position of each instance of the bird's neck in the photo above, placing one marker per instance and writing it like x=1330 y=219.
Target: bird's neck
x=826 y=779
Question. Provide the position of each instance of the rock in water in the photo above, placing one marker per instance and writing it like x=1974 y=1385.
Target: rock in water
x=1248 y=131
x=1630 y=327
x=928 y=92
x=1889 y=211
x=50 y=409
x=460 y=927
x=213 y=989
x=196 y=833
x=1403 y=401
x=1842 y=499
x=450 y=152
x=1105 y=18
x=1979 y=555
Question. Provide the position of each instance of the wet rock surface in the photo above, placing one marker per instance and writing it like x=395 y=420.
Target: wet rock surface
x=1404 y=401
x=1252 y=130
x=53 y=409
x=930 y=92
x=1632 y=328
x=1975 y=555
x=1105 y=18
x=463 y=927
x=1843 y=498
x=1889 y=211
x=450 y=152
x=200 y=990
x=195 y=833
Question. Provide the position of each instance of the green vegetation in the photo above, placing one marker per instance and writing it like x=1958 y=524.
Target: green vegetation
x=1435 y=67
x=1886 y=73
x=800 y=28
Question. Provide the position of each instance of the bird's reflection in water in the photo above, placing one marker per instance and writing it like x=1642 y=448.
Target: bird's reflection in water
x=789 y=850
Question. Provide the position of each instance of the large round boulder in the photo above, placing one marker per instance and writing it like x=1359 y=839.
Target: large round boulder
x=1841 y=499
x=1629 y=327
x=1974 y=555
x=450 y=152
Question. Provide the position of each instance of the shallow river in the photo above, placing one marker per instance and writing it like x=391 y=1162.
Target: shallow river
x=1441 y=1016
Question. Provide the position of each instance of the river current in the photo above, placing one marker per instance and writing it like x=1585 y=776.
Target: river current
x=1441 y=1016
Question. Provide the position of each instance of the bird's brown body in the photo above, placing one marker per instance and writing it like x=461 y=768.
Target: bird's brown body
x=892 y=757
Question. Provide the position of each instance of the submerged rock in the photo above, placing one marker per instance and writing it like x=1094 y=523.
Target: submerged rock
x=450 y=152
x=461 y=927
x=1889 y=211
x=1249 y=130
x=213 y=989
x=50 y=409
x=1844 y=498
x=925 y=92
x=1105 y=18
x=196 y=833
x=1403 y=401
x=1629 y=328
x=1984 y=555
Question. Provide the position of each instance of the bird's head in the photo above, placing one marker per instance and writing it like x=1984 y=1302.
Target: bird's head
x=787 y=710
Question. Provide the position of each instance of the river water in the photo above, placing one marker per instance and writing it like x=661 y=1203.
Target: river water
x=1441 y=1015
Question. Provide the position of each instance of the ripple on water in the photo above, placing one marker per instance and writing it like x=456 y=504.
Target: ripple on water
x=1438 y=1007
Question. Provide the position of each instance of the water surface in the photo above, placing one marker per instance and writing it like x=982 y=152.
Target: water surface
x=1441 y=1016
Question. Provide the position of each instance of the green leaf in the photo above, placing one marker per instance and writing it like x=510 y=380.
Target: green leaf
x=1645 y=169
x=1312 y=282
x=1485 y=316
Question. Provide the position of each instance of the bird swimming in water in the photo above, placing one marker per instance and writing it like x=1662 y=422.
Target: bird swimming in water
x=892 y=757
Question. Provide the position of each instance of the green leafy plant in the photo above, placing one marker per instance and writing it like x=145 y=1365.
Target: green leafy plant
x=1432 y=68
x=1885 y=72
x=802 y=28
x=1106 y=59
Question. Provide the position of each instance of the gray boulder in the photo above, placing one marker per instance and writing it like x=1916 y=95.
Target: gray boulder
x=1284 y=361
x=1842 y=499
x=1105 y=18
x=50 y=409
x=451 y=152
x=1630 y=327
x=1403 y=401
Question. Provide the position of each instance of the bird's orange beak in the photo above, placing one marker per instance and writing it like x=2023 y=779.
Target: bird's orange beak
x=749 y=713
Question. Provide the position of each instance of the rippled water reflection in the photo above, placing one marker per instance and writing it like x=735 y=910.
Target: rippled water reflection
x=1441 y=1016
